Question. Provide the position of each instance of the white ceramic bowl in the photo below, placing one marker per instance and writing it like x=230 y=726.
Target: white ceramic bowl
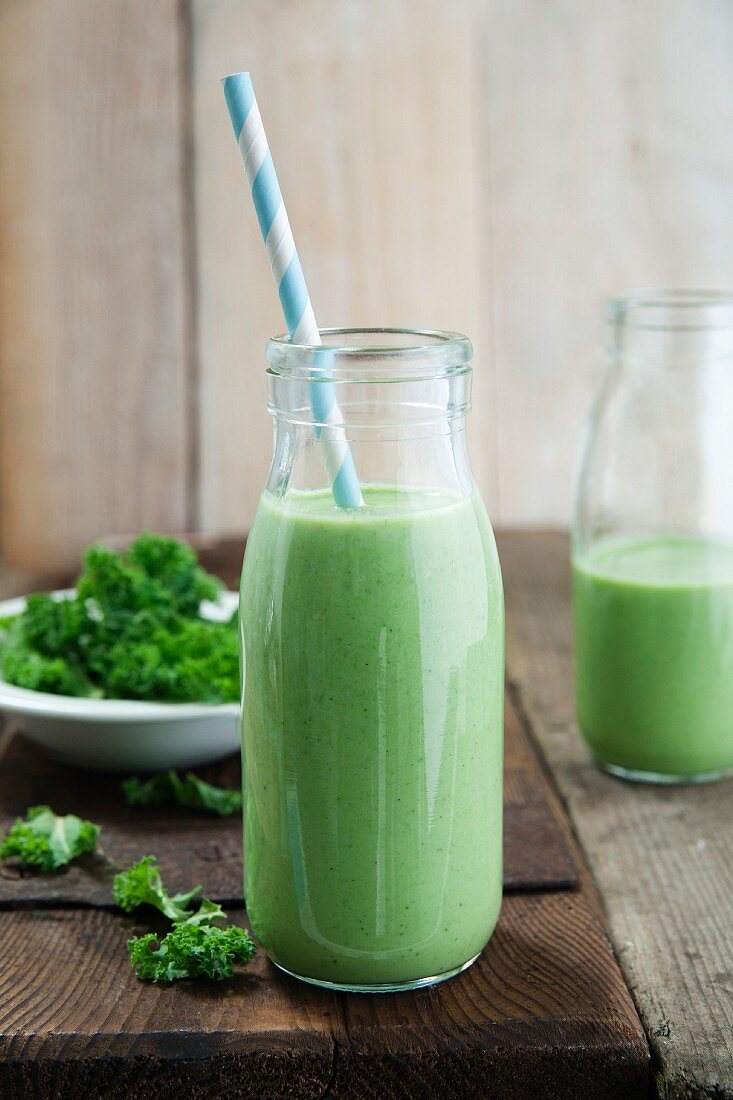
x=123 y=735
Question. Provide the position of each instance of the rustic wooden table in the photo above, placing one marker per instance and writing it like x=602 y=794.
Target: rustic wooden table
x=545 y=1012
x=661 y=857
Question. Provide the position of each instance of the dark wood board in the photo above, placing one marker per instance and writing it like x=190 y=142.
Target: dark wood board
x=543 y=1013
x=197 y=848
x=191 y=847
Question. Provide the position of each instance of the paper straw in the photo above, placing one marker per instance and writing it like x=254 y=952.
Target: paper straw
x=288 y=274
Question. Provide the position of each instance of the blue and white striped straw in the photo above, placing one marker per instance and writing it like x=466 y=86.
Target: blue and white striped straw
x=288 y=273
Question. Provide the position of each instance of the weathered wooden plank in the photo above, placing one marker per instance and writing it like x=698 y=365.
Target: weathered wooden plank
x=191 y=848
x=93 y=399
x=196 y=848
x=536 y=856
x=604 y=171
x=497 y=144
x=475 y=203
x=74 y=1021
x=662 y=857
x=543 y=1013
x=375 y=134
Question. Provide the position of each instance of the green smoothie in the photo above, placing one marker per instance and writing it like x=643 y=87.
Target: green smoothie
x=654 y=654
x=372 y=734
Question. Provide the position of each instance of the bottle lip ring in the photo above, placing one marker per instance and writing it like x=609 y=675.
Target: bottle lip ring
x=381 y=354
x=661 y=308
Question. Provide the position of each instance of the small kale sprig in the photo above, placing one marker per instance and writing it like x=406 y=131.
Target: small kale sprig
x=195 y=947
x=190 y=951
x=190 y=791
x=142 y=884
x=45 y=841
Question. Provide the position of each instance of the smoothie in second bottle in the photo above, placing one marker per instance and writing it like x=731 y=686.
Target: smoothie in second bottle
x=372 y=734
x=654 y=654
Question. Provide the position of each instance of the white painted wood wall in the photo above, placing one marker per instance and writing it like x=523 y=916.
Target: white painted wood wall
x=495 y=166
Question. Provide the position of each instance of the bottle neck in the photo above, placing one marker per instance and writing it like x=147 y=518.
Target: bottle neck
x=657 y=454
x=669 y=349
x=388 y=406
x=410 y=435
x=670 y=330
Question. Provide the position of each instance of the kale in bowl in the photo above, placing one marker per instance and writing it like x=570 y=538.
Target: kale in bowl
x=132 y=629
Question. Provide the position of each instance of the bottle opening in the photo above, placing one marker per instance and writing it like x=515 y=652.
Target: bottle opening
x=660 y=309
x=372 y=355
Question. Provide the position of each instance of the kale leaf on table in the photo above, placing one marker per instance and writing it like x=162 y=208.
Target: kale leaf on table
x=133 y=630
x=190 y=951
x=192 y=792
x=45 y=841
x=195 y=947
x=142 y=884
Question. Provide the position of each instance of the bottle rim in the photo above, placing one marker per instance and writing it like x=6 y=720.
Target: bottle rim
x=372 y=355
x=661 y=309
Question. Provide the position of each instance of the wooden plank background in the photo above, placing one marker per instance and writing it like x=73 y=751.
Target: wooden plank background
x=496 y=166
x=93 y=361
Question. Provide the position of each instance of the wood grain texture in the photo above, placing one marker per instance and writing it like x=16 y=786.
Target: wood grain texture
x=93 y=421
x=200 y=848
x=191 y=847
x=546 y=986
x=605 y=172
x=375 y=134
x=536 y=855
x=76 y=1022
x=501 y=167
x=662 y=858
x=543 y=1013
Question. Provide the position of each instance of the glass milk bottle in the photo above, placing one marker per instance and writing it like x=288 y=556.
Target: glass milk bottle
x=653 y=543
x=373 y=655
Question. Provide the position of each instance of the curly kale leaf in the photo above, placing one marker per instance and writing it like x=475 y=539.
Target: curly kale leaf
x=207 y=912
x=54 y=626
x=156 y=791
x=45 y=841
x=133 y=631
x=195 y=947
x=191 y=659
x=157 y=573
x=190 y=951
x=174 y=566
x=25 y=666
